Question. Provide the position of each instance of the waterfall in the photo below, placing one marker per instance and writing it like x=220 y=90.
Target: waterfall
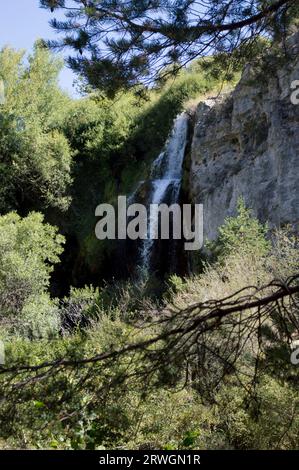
x=165 y=181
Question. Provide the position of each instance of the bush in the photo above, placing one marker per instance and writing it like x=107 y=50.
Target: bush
x=39 y=318
x=28 y=250
x=241 y=234
x=80 y=308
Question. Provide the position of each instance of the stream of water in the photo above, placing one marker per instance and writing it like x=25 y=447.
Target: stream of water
x=166 y=180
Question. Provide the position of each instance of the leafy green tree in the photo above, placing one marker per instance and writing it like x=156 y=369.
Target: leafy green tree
x=241 y=234
x=28 y=250
x=35 y=157
x=124 y=43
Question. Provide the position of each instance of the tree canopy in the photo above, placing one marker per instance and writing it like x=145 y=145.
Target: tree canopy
x=120 y=43
x=35 y=157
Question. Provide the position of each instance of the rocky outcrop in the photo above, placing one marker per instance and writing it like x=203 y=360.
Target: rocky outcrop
x=246 y=143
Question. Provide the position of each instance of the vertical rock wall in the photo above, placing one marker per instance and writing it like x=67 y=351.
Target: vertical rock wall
x=246 y=143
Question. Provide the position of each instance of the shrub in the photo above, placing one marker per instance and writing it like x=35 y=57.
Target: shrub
x=241 y=234
x=39 y=318
x=28 y=250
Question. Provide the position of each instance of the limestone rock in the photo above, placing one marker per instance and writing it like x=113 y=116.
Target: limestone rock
x=246 y=143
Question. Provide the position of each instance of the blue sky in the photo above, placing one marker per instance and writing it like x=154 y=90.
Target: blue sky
x=21 y=23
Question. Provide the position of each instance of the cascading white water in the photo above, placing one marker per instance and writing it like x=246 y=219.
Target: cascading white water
x=166 y=175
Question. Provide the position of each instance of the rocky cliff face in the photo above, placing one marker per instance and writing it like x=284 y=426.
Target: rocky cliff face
x=246 y=143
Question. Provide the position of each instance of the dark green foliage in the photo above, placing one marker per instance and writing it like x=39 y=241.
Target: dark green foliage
x=241 y=234
x=35 y=157
x=120 y=44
